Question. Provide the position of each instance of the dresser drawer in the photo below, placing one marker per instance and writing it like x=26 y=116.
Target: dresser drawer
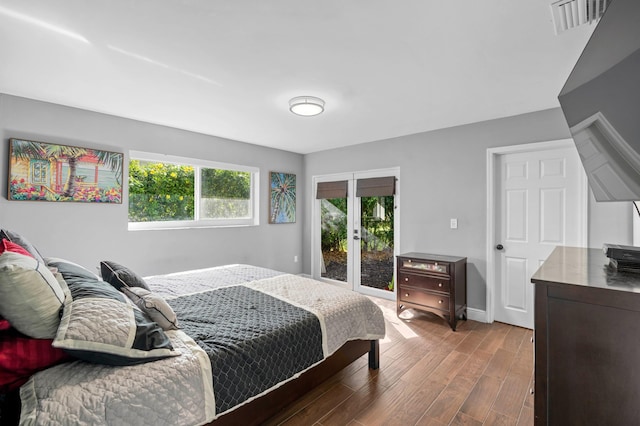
x=423 y=298
x=424 y=265
x=425 y=282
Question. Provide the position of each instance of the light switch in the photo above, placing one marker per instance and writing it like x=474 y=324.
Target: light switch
x=454 y=223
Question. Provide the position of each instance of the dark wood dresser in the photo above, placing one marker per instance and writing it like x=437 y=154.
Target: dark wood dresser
x=587 y=341
x=433 y=283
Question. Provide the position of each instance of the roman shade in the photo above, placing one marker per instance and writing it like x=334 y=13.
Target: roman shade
x=327 y=190
x=376 y=187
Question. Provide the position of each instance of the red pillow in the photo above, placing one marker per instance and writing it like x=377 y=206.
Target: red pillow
x=4 y=324
x=7 y=245
x=22 y=356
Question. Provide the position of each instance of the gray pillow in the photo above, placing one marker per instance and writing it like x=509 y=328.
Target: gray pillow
x=154 y=306
x=30 y=296
x=101 y=325
x=70 y=270
x=120 y=276
x=14 y=237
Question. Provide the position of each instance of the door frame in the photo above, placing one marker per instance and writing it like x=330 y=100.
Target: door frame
x=315 y=231
x=492 y=156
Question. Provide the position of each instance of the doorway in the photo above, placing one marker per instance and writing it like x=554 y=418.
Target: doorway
x=355 y=230
x=536 y=200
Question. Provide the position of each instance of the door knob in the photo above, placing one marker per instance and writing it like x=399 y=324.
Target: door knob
x=355 y=237
x=499 y=247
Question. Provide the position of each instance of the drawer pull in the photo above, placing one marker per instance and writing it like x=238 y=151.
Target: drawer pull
x=439 y=284
x=406 y=279
x=440 y=301
x=406 y=295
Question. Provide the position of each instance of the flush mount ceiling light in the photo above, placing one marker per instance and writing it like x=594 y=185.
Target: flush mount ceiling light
x=306 y=105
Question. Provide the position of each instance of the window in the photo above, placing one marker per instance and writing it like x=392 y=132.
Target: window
x=175 y=192
x=39 y=171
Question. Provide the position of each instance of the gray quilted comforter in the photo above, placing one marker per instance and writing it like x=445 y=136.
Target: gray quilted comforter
x=244 y=330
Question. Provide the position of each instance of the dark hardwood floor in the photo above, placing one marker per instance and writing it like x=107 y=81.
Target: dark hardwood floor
x=480 y=374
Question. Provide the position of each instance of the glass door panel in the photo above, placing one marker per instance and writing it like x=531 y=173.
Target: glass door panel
x=355 y=230
x=333 y=238
x=376 y=239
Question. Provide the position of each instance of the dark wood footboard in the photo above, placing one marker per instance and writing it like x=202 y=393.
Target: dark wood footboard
x=10 y=408
x=261 y=409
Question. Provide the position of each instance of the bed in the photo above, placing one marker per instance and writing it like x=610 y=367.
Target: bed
x=243 y=342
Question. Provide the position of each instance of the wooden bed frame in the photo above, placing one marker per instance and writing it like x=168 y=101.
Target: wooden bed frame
x=266 y=406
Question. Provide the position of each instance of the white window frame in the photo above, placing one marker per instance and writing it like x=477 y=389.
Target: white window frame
x=252 y=220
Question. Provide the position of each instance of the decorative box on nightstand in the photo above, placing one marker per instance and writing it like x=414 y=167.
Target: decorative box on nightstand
x=433 y=283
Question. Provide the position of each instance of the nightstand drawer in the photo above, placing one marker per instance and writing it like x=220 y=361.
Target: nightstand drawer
x=425 y=265
x=423 y=298
x=422 y=281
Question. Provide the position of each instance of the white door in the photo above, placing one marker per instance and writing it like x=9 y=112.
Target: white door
x=355 y=237
x=540 y=204
x=375 y=226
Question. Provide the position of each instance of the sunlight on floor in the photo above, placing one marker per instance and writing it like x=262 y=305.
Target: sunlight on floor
x=397 y=323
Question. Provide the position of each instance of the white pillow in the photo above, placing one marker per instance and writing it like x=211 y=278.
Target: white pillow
x=154 y=306
x=30 y=296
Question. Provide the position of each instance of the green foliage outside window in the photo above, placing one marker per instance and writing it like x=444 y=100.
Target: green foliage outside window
x=225 y=194
x=334 y=224
x=379 y=230
x=221 y=183
x=165 y=192
x=160 y=192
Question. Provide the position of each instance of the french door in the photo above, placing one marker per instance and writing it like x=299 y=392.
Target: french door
x=355 y=230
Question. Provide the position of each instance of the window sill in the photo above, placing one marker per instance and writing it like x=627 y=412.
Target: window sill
x=155 y=227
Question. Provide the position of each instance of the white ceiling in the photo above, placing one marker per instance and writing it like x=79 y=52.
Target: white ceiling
x=228 y=68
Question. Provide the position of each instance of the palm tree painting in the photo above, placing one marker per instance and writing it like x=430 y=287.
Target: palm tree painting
x=282 y=200
x=40 y=171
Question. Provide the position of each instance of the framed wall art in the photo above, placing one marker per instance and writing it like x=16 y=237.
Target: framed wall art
x=40 y=171
x=282 y=197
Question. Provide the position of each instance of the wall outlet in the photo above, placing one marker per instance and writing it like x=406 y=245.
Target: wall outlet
x=454 y=223
x=295 y=259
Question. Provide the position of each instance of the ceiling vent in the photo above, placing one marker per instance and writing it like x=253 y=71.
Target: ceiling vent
x=569 y=14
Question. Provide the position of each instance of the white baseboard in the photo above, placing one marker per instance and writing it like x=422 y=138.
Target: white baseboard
x=476 y=315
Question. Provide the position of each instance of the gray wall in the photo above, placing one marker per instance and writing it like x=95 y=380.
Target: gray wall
x=443 y=176
x=88 y=233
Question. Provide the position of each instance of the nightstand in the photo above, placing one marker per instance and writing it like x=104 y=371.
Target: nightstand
x=433 y=283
